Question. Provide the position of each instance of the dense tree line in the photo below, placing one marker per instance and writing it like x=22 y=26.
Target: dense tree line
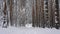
x=39 y=13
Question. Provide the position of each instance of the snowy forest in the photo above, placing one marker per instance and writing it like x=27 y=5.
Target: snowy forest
x=31 y=13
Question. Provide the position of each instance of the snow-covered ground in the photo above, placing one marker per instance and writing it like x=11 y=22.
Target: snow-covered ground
x=25 y=30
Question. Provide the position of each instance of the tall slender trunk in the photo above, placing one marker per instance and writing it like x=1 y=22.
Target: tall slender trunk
x=11 y=12
x=5 y=14
x=57 y=24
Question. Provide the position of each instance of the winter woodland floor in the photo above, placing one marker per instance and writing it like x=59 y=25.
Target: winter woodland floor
x=25 y=30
